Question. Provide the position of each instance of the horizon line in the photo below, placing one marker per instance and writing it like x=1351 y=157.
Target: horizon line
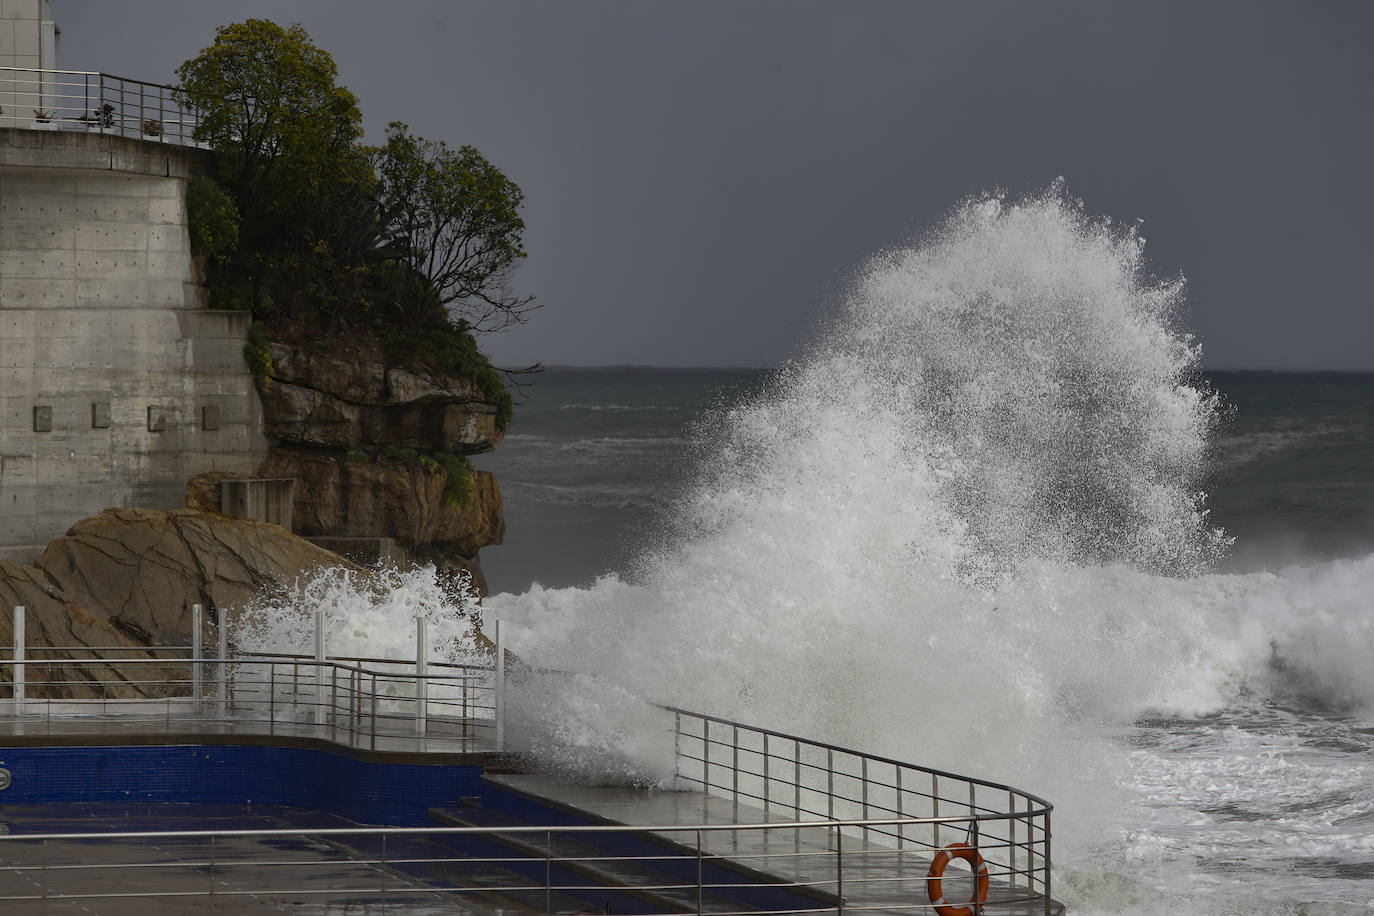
x=739 y=368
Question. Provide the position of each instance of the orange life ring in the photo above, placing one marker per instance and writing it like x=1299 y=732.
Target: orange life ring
x=937 y=869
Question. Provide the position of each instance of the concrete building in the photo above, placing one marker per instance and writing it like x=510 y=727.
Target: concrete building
x=115 y=385
x=28 y=41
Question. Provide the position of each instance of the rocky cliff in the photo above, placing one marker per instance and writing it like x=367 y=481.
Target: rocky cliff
x=378 y=448
x=128 y=578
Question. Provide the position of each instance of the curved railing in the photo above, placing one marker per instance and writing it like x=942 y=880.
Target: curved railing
x=78 y=100
x=855 y=831
x=880 y=803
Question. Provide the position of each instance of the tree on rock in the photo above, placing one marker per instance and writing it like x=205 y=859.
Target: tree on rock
x=453 y=218
x=285 y=138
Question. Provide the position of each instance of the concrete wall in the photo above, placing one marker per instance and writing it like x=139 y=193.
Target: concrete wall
x=115 y=387
x=28 y=39
x=27 y=35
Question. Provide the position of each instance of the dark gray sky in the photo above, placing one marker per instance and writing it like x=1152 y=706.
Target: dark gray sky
x=700 y=177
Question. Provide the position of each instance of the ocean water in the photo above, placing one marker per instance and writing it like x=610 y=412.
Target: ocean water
x=996 y=520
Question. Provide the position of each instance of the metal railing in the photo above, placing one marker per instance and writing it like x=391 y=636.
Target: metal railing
x=520 y=869
x=95 y=103
x=843 y=829
x=878 y=802
x=373 y=703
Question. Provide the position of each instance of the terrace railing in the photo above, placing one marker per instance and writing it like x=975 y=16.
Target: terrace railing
x=442 y=869
x=373 y=703
x=95 y=103
x=856 y=831
x=875 y=806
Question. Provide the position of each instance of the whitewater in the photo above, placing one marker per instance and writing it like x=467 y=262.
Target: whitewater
x=969 y=528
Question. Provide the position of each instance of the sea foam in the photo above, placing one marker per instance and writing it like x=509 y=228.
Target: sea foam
x=967 y=529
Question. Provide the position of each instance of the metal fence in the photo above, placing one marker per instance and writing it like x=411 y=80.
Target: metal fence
x=95 y=103
x=844 y=830
x=517 y=869
x=878 y=803
x=374 y=703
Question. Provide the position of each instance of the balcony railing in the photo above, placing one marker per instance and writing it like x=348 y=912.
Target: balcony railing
x=373 y=703
x=77 y=100
x=855 y=830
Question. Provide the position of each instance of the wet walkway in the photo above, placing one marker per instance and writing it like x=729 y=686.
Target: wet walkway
x=878 y=877
x=311 y=876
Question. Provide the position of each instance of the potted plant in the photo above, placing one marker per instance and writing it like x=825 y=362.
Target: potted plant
x=152 y=128
x=42 y=118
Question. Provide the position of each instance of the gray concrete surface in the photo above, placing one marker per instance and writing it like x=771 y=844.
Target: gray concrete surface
x=107 y=361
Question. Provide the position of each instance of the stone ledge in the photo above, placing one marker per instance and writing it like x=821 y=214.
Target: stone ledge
x=81 y=149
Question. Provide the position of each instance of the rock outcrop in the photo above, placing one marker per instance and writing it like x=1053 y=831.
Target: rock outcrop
x=371 y=445
x=337 y=401
x=128 y=578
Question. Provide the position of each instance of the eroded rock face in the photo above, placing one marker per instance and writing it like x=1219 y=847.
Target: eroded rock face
x=129 y=578
x=344 y=420
x=325 y=400
x=337 y=497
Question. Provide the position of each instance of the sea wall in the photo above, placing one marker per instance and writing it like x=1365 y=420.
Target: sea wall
x=115 y=385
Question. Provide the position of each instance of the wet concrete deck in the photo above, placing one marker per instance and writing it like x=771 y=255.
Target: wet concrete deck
x=878 y=877
x=440 y=738
x=303 y=875
x=314 y=876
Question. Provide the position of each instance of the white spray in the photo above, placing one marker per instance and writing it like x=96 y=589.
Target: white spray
x=967 y=530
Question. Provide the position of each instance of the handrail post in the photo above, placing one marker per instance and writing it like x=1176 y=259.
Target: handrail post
x=1011 y=837
x=975 y=867
x=319 y=666
x=373 y=742
x=1047 y=863
x=796 y=790
x=935 y=809
x=734 y=774
x=901 y=828
x=830 y=788
x=705 y=758
x=500 y=701
x=839 y=872
x=196 y=687
x=420 y=686
x=677 y=747
x=18 y=687
x=222 y=669
x=699 y=871
x=333 y=701
x=863 y=771
x=765 y=785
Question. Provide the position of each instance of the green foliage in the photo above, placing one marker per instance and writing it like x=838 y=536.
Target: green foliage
x=269 y=107
x=285 y=141
x=453 y=218
x=213 y=217
x=454 y=351
x=357 y=456
x=396 y=453
x=319 y=235
x=459 y=486
x=258 y=355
